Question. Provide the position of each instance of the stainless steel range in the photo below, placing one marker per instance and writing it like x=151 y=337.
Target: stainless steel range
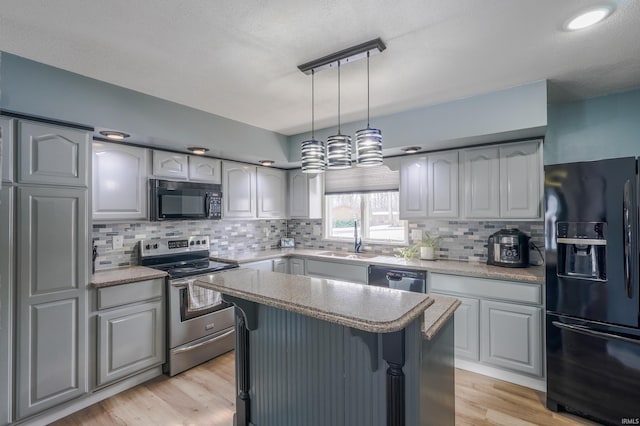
x=200 y=326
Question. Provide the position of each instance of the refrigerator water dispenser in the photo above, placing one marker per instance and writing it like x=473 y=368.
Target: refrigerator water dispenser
x=582 y=250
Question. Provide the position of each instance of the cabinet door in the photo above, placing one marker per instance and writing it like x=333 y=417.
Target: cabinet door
x=442 y=186
x=130 y=340
x=53 y=271
x=298 y=194
x=467 y=329
x=169 y=165
x=481 y=182
x=203 y=169
x=413 y=187
x=281 y=265
x=520 y=180
x=260 y=265
x=271 y=190
x=296 y=266
x=6 y=303
x=6 y=148
x=53 y=155
x=119 y=182
x=511 y=336
x=239 y=190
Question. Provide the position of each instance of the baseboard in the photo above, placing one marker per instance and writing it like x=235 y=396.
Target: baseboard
x=497 y=373
x=63 y=410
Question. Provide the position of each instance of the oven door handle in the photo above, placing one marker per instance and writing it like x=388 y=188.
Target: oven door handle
x=179 y=283
x=197 y=345
x=590 y=332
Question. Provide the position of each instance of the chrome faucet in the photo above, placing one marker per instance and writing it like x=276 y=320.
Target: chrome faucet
x=357 y=243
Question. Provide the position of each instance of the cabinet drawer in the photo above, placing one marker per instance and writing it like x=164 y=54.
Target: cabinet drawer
x=123 y=294
x=486 y=288
x=338 y=271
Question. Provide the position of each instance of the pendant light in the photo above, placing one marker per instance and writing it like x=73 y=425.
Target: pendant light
x=369 y=141
x=339 y=145
x=312 y=150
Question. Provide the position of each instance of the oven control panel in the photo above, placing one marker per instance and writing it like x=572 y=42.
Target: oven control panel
x=160 y=246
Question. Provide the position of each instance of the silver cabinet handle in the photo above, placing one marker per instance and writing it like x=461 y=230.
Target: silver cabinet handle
x=627 y=237
x=197 y=345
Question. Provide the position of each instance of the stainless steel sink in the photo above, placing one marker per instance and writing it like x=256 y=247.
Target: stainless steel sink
x=347 y=255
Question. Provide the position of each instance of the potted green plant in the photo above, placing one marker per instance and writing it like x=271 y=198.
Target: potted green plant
x=428 y=246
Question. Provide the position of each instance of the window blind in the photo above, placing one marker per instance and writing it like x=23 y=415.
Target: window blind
x=361 y=179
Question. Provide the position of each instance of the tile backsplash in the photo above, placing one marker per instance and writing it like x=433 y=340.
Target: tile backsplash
x=461 y=239
x=226 y=237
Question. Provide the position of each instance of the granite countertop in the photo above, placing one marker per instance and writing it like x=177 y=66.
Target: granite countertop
x=532 y=274
x=125 y=275
x=367 y=308
x=438 y=314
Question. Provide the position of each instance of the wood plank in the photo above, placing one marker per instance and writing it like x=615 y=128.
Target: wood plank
x=205 y=395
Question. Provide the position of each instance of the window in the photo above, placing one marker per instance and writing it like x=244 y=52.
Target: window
x=377 y=214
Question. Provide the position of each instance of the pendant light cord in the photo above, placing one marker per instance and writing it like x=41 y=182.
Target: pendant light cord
x=339 y=98
x=313 y=103
x=368 y=89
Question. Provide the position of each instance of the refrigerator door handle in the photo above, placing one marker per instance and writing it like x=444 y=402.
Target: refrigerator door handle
x=590 y=332
x=627 y=237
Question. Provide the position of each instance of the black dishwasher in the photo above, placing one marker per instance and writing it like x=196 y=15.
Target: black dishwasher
x=398 y=278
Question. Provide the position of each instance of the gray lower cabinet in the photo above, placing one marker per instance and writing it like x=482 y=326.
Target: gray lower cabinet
x=467 y=337
x=261 y=265
x=53 y=241
x=511 y=336
x=53 y=155
x=130 y=339
x=6 y=303
x=296 y=266
x=336 y=270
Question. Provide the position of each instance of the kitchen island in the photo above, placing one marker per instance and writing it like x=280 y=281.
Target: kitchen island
x=317 y=352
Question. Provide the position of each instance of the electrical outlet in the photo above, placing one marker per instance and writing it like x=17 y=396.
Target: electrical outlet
x=118 y=242
x=416 y=234
x=266 y=232
x=316 y=230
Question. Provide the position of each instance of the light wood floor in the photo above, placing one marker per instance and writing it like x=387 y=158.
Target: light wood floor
x=204 y=396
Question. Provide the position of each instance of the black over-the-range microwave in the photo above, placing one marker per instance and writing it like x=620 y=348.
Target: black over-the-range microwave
x=171 y=200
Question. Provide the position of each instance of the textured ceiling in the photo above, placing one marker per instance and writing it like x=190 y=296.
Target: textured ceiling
x=238 y=59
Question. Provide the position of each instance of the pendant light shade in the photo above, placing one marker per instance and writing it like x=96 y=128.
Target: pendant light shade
x=312 y=150
x=339 y=145
x=369 y=141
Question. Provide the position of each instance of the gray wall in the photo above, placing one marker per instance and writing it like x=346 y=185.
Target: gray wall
x=37 y=89
x=597 y=128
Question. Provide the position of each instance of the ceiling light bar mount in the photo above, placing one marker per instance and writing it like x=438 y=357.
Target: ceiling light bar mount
x=345 y=56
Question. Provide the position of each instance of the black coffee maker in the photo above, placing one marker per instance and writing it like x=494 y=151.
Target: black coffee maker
x=508 y=248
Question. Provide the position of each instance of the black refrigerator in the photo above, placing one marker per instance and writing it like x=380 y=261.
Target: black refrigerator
x=592 y=289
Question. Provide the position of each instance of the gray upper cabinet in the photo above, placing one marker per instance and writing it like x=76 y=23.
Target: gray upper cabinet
x=7 y=144
x=53 y=155
x=413 y=187
x=53 y=272
x=520 y=180
x=442 y=188
x=271 y=190
x=481 y=182
x=512 y=336
x=305 y=195
x=239 y=190
x=6 y=303
x=170 y=165
x=204 y=169
x=119 y=182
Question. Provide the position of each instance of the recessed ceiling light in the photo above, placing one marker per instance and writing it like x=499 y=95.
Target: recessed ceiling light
x=266 y=163
x=198 y=150
x=588 y=18
x=115 y=135
x=411 y=149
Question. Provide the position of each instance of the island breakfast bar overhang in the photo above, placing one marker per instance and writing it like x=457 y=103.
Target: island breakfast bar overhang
x=310 y=351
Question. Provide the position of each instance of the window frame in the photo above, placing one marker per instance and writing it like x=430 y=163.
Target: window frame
x=364 y=230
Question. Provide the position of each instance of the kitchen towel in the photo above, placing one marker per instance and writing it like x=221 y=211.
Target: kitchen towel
x=200 y=298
